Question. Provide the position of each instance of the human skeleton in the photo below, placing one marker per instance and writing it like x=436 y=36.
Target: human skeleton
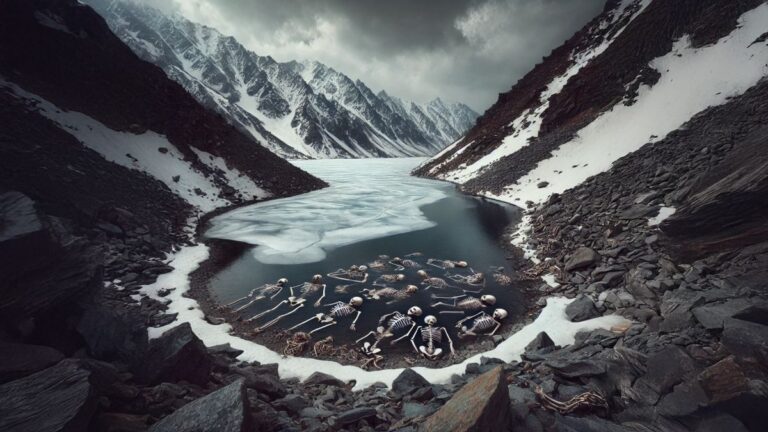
x=473 y=279
x=337 y=310
x=387 y=279
x=401 y=264
x=393 y=294
x=297 y=302
x=260 y=293
x=481 y=322
x=446 y=264
x=388 y=325
x=463 y=303
x=432 y=282
x=431 y=336
x=357 y=274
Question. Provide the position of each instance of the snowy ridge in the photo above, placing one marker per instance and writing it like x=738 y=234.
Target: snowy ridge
x=669 y=88
x=151 y=153
x=297 y=110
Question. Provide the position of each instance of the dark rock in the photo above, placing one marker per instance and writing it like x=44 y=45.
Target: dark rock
x=668 y=367
x=639 y=211
x=481 y=405
x=575 y=368
x=542 y=340
x=581 y=258
x=543 y=184
x=225 y=410
x=685 y=399
x=423 y=394
x=724 y=381
x=586 y=424
x=720 y=422
x=292 y=403
x=756 y=313
x=319 y=378
x=263 y=381
x=414 y=409
x=712 y=315
x=225 y=349
x=120 y=422
x=408 y=381
x=176 y=355
x=20 y=360
x=746 y=339
x=60 y=398
x=583 y=308
x=114 y=332
x=355 y=415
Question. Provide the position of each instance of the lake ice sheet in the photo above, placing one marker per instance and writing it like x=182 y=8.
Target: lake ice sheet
x=366 y=199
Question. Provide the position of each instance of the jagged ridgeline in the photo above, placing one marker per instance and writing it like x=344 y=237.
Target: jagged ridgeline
x=297 y=110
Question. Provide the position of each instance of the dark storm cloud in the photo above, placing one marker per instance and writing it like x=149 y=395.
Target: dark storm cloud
x=462 y=50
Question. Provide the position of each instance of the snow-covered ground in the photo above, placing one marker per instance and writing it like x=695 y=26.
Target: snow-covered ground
x=148 y=152
x=367 y=199
x=552 y=319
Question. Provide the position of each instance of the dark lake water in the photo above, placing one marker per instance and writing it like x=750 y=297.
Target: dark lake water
x=356 y=229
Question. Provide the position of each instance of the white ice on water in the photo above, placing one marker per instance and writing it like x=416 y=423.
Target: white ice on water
x=367 y=199
x=552 y=319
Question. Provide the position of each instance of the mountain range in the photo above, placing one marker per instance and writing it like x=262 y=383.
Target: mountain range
x=296 y=109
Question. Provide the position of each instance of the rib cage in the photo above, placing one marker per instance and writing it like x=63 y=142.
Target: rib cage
x=431 y=335
x=340 y=309
x=398 y=321
x=482 y=323
x=470 y=303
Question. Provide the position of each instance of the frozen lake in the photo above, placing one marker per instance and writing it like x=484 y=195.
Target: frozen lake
x=373 y=207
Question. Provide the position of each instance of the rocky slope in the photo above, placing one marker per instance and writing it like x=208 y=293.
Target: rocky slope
x=634 y=74
x=298 y=110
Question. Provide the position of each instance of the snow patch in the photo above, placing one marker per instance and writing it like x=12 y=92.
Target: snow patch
x=552 y=320
x=148 y=152
x=664 y=213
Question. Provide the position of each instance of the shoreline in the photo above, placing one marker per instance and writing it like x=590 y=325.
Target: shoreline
x=224 y=252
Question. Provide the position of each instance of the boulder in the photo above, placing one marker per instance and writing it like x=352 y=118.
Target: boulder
x=263 y=380
x=575 y=368
x=292 y=403
x=44 y=266
x=355 y=415
x=541 y=341
x=114 y=332
x=59 y=398
x=724 y=380
x=712 y=315
x=746 y=339
x=176 y=355
x=581 y=258
x=666 y=368
x=481 y=405
x=20 y=360
x=225 y=410
x=319 y=378
x=408 y=381
x=581 y=309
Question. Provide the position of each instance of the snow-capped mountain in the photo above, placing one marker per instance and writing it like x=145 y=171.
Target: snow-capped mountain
x=637 y=73
x=297 y=109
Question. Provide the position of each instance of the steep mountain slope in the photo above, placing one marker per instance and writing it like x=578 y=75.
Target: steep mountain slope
x=634 y=74
x=298 y=110
x=85 y=82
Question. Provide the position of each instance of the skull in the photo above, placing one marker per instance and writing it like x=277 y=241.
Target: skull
x=282 y=281
x=488 y=299
x=410 y=289
x=357 y=301
x=397 y=260
x=414 y=311
x=316 y=279
x=422 y=274
x=353 y=267
x=363 y=268
x=500 y=314
x=400 y=277
x=430 y=320
x=461 y=264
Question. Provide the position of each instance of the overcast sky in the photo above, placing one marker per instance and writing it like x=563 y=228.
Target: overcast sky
x=460 y=50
